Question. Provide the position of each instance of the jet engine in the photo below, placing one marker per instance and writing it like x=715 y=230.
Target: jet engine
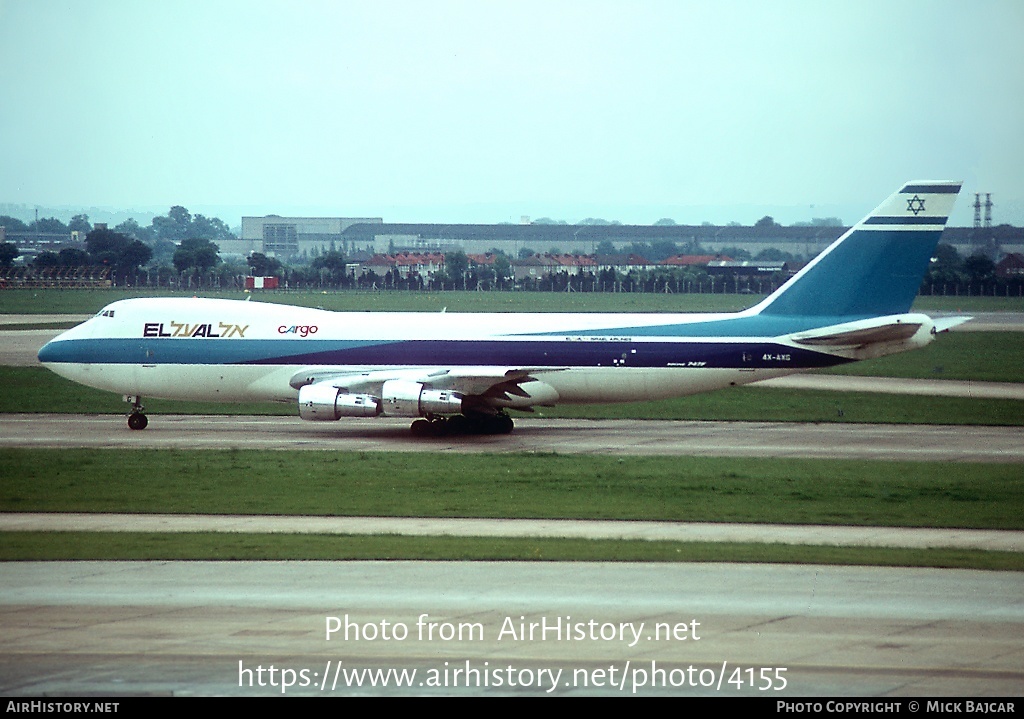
x=403 y=398
x=322 y=402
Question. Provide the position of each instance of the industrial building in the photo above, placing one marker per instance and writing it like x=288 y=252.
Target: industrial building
x=293 y=238
x=298 y=238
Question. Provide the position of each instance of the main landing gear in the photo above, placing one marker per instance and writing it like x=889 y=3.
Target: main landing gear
x=435 y=426
x=136 y=418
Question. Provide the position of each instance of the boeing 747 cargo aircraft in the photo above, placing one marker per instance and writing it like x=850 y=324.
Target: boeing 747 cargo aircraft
x=462 y=372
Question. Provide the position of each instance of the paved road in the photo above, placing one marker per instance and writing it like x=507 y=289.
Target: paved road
x=819 y=535
x=567 y=436
x=189 y=627
x=987 y=321
x=18 y=348
x=13 y=320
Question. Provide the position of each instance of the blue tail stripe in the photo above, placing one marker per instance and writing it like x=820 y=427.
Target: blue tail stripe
x=870 y=273
x=943 y=189
x=905 y=221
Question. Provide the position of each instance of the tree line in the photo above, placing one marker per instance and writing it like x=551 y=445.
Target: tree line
x=952 y=274
x=178 y=240
x=180 y=248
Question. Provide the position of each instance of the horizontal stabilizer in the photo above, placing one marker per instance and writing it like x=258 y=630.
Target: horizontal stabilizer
x=945 y=324
x=892 y=332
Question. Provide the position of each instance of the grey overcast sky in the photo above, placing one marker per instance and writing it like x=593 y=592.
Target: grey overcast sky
x=475 y=111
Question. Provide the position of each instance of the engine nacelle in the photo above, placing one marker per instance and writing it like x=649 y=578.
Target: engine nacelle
x=324 y=403
x=403 y=398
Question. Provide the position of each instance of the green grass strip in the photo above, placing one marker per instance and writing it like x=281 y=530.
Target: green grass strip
x=975 y=356
x=90 y=301
x=62 y=546
x=37 y=389
x=704 y=489
x=767 y=404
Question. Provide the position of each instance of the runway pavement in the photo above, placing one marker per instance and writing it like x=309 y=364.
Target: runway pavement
x=986 y=321
x=939 y=443
x=19 y=348
x=817 y=535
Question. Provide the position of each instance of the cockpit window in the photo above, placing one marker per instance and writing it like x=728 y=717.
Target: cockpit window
x=106 y=313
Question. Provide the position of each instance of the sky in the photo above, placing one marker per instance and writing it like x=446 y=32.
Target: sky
x=448 y=111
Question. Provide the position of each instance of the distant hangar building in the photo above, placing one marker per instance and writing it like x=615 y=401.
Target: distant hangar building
x=303 y=238
x=290 y=238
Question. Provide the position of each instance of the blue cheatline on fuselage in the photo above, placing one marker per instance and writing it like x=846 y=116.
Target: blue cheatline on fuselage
x=198 y=351
x=567 y=354
x=753 y=354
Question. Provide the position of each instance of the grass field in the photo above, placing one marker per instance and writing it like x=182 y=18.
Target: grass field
x=59 y=546
x=976 y=356
x=783 y=491
x=91 y=301
x=83 y=301
x=821 y=492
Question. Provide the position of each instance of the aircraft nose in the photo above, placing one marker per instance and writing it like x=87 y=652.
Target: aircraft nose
x=60 y=348
x=68 y=346
x=50 y=352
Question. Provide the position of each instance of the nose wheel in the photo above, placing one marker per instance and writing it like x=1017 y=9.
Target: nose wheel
x=137 y=418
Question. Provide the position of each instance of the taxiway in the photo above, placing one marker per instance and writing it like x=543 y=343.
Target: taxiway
x=940 y=443
x=192 y=628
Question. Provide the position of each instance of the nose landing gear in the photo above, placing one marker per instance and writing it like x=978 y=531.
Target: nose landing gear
x=136 y=418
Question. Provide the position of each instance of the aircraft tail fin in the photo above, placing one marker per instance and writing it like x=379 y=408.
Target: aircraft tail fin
x=876 y=267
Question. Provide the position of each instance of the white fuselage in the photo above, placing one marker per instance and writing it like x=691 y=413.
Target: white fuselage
x=224 y=350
